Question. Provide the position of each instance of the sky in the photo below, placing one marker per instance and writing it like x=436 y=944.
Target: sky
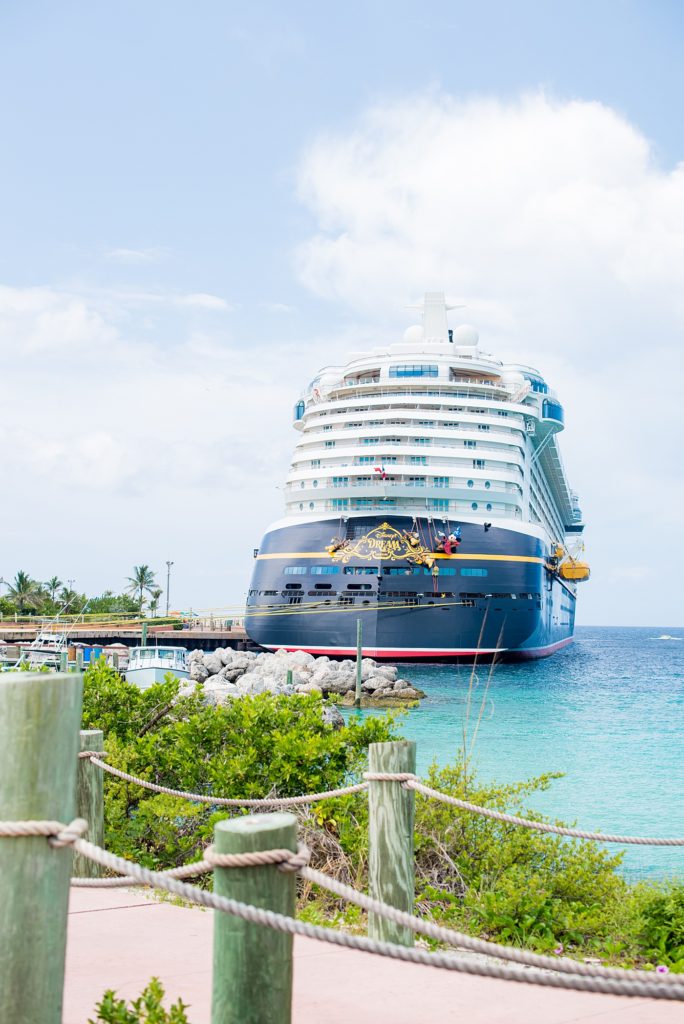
x=202 y=204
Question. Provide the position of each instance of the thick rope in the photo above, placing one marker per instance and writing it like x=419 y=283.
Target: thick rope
x=285 y=860
x=649 y=986
x=655 y=986
x=413 y=782
x=222 y=801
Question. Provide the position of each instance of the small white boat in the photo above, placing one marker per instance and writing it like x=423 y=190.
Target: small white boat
x=666 y=636
x=149 y=665
x=45 y=650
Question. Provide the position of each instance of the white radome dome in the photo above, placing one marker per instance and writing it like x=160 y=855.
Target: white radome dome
x=466 y=335
x=413 y=335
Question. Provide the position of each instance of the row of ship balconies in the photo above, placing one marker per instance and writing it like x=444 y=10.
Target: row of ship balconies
x=440 y=506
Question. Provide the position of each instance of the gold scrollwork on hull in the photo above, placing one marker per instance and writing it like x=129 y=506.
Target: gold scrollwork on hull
x=383 y=543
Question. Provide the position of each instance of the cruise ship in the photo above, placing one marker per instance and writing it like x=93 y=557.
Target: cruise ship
x=427 y=509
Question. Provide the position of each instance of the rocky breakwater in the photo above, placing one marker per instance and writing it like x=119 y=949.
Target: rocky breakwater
x=227 y=674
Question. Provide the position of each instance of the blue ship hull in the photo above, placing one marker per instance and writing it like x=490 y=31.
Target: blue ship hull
x=499 y=596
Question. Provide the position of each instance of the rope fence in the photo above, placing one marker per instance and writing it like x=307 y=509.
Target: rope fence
x=407 y=779
x=256 y=855
x=546 y=971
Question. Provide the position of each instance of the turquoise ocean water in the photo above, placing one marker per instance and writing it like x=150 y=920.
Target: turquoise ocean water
x=608 y=712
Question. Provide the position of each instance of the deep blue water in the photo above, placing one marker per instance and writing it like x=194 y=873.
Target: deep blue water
x=608 y=712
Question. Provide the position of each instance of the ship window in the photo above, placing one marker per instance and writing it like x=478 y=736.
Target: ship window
x=438 y=504
x=447 y=570
x=329 y=444
x=368 y=440
x=474 y=505
x=363 y=460
x=327 y=426
x=340 y=503
x=360 y=570
x=405 y=570
x=268 y=593
x=345 y=600
x=501 y=412
x=474 y=572
x=359 y=586
x=299 y=410
x=324 y=570
x=311 y=505
x=487 y=484
x=294 y=570
x=470 y=444
x=411 y=601
x=293 y=586
x=441 y=481
x=416 y=481
x=478 y=463
x=418 y=460
x=340 y=481
x=302 y=484
x=322 y=587
x=295 y=599
x=315 y=483
x=489 y=506
x=421 y=440
x=483 y=426
x=315 y=463
x=470 y=483
x=301 y=506
x=413 y=370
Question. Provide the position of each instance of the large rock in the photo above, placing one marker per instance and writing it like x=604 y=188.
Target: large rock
x=331 y=716
x=249 y=684
x=198 y=672
x=213 y=664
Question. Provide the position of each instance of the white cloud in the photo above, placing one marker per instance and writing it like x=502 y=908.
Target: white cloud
x=554 y=222
x=203 y=300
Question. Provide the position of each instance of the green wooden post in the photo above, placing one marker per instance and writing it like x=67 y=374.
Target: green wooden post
x=63 y=661
x=391 y=811
x=40 y=717
x=252 y=981
x=359 y=656
x=79 y=659
x=90 y=802
x=288 y=678
x=115 y=661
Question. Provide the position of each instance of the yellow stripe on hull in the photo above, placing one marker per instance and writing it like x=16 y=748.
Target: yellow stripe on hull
x=459 y=557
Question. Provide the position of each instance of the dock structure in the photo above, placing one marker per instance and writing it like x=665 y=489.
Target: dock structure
x=203 y=637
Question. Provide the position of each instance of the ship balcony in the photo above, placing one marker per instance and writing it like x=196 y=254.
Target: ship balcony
x=420 y=492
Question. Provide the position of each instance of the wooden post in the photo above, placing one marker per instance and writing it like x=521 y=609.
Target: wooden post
x=288 y=678
x=115 y=661
x=359 y=656
x=252 y=981
x=143 y=635
x=90 y=802
x=63 y=661
x=40 y=717
x=79 y=659
x=391 y=811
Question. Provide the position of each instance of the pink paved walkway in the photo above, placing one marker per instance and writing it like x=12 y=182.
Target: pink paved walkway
x=120 y=938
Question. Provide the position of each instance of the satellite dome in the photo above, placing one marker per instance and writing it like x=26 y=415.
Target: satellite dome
x=512 y=379
x=466 y=335
x=413 y=335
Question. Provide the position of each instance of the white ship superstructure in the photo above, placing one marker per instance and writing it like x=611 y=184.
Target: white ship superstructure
x=433 y=425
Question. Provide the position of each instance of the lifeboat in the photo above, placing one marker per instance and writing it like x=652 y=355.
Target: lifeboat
x=573 y=570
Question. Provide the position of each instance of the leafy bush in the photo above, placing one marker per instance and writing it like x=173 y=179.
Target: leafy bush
x=662 y=931
x=146 y=1009
x=252 y=747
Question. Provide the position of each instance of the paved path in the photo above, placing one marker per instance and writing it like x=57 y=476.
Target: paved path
x=120 y=938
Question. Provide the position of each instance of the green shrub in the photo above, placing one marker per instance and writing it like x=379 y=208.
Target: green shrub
x=662 y=930
x=146 y=1009
x=251 y=747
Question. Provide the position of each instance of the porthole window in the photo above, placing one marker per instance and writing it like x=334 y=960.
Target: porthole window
x=315 y=483
x=301 y=506
x=470 y=483
x=487 y=484
x=474 y=505
x=489 y=506
x=311 y=504
x=302 y=484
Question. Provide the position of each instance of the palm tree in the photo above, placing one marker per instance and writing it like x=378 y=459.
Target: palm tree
x=140 y=582
x=53 y=585
x=155 y=594
x=25 y=592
